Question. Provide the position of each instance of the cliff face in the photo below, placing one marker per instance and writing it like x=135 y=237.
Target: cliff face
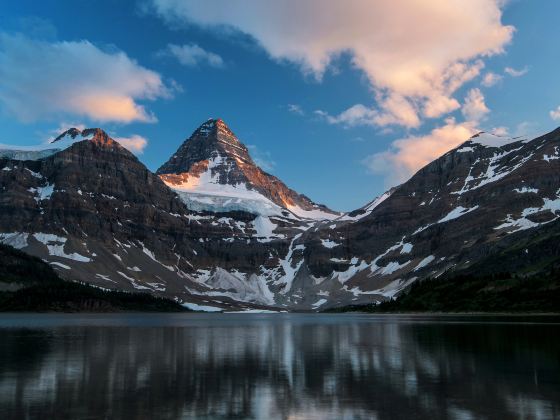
x=213 y=161
x=217 y=237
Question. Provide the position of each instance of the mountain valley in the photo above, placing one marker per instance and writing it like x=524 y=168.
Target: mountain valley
x=212 y=230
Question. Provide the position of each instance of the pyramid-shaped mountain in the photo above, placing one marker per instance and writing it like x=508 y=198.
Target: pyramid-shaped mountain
x=212 y=167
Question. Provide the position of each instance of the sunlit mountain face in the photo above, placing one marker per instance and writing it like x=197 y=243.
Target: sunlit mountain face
x=212 y=230
x=335 y=100
x=264 y=209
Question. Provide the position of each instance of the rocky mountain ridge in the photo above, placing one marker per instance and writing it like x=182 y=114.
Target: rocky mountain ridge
x=212 y=162
x=98 y=215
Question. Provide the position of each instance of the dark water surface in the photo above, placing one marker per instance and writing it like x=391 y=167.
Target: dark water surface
x=292 y=366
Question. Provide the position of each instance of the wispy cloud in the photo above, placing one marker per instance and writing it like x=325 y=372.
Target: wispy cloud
x=475 y=107
x=490 y=79
x=296 y=109
x=135 y=143
x=192 y=55
x=413 y=73
x=407 y=155
x=42 y=80
x=516 y=73
x=262 y=158
x=555 y=114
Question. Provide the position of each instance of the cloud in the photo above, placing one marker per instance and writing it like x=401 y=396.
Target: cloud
x=527 y=129
x=490 y=79
x=555 y=114
x=191 y=55
x=296 y=109
x=134 y=143
x=415 y=54
x=356 y=115
x=397 y=111
x=474 y=108
x=43 y=80
x=516 y=73
x=407 y=155
x=262 y=159
x=500 y=131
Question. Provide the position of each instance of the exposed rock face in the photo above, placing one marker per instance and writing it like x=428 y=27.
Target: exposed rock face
x=98 y=215
x=213 y=157
x=473 y=204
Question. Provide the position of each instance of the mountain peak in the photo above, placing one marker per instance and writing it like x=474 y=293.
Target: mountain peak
x=213 y=160
x=213 y=126
x=213 y=139
x=75 y=134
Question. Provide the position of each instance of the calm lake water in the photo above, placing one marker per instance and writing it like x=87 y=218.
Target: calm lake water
x=287 y=366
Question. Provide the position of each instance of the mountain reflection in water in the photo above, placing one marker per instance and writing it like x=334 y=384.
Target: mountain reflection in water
x=277 y=366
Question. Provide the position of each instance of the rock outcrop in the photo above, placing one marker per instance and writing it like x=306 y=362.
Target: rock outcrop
x=213 y=230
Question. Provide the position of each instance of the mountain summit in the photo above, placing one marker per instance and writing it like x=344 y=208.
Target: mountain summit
x=212 y=162
x=229 y=238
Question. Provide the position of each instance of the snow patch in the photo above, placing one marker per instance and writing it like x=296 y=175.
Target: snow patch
x=41 y=151
x=55 y=245
x=42 y=193
x=523 y=223
x=368 y=208
x=456 y=213
x=327 y=243
x=17 y=239
x=526 y=190
x=57 y=264
x=201 y=308
x=424 y=262
x=492 y=140
x=406 y=248
x=320 y=302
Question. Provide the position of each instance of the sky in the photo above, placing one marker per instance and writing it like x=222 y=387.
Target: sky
x=339 y=99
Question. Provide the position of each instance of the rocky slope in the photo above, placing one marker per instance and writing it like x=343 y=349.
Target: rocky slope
x=226 y=235
x=29 y=284
x=488 y=196
x=213 y=167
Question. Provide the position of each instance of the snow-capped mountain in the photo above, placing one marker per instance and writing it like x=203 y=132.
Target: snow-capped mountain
x=212 y=170
x=225 y=237
x=490 y=205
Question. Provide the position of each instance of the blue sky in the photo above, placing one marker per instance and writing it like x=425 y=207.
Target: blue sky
x=283 y=89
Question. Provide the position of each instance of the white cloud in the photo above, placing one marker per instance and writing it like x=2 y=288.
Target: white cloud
x=135 y=143
x=262 y=159
x=527 y=129
x=41 y=80
x=491 y=79
x=474 y=108
x=191 y=55
x=409 y=154
x=500 y=131
x=397 y=110
x=415 y=54
x=516 y=73
x=356 y=115
x=555 y=114
x=296 y=109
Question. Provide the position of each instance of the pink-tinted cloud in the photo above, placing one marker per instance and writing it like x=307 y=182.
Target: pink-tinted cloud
x=135 y=143
x=475 y=107
x=415 y=54
x=41 y=80
x=490 y=79
x=409 y=154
